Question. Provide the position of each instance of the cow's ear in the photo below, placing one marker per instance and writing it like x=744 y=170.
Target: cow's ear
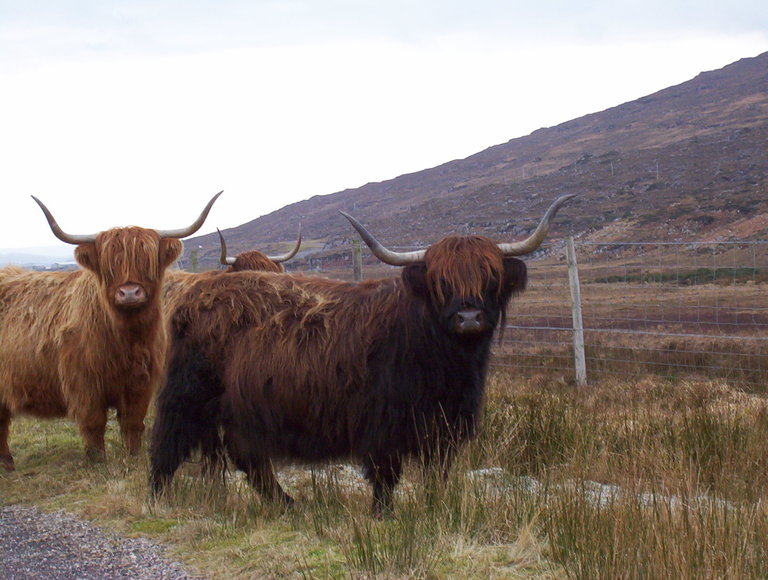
x=86 y=256
x=515 y=276
x=170 y=250
x=415 y=278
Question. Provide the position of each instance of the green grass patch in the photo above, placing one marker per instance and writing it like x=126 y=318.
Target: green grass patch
x=687 y=278
x=153 y=526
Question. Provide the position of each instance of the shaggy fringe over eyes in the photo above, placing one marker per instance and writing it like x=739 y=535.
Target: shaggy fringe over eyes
x=463 y=267
x=129 y=254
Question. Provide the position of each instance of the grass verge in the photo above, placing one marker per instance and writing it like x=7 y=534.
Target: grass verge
x=647 y=479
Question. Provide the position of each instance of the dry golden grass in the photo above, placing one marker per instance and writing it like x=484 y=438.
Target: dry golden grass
x=649 y=478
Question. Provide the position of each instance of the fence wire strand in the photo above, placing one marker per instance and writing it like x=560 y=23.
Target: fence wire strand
x=687 y=309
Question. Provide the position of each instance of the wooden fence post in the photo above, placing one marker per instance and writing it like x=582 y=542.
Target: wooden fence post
x=578 y=326
x=357 y=261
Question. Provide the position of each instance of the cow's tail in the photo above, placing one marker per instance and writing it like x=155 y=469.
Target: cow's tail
x=187 y=416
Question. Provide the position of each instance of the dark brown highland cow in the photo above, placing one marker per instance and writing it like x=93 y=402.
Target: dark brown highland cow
x=308 y=369
x=79 y=343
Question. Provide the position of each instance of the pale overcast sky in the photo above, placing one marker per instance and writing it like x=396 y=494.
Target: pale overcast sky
x=122 y=113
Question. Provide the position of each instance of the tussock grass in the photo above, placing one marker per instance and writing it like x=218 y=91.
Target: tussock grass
x=648 y=479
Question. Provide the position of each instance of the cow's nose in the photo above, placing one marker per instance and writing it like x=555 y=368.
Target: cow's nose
x=470 y=320
x=130 y=295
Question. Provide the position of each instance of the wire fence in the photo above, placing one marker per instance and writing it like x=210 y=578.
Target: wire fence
x=676 y=310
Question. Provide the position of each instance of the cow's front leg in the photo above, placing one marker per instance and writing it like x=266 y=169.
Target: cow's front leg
x=93 y=425
x=130 y=417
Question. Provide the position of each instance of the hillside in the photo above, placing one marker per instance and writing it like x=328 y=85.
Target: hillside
x=686 y=163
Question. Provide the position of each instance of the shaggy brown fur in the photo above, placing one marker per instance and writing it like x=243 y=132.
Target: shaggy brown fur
x=465 y=266
x=298 y=368
x=254 y=260
x=177 y=281
x=70 y=347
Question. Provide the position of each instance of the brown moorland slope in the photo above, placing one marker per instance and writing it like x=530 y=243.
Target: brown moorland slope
x=686 y=163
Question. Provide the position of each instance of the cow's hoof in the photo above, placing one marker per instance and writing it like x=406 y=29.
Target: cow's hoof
x=95 y=455
x=6 y=462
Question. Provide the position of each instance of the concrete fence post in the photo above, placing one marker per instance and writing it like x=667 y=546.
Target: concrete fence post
x=580 y=363
x=357 y=261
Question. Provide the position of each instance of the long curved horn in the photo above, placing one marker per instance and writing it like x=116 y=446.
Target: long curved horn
x=526 y=246
x=385 y=255
x=532 y=243
x=224 y=259
x=288 y=255
x=196 y=225
x=90 y=238
x=61 y=234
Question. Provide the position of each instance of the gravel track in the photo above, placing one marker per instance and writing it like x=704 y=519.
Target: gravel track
x=61 y=546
